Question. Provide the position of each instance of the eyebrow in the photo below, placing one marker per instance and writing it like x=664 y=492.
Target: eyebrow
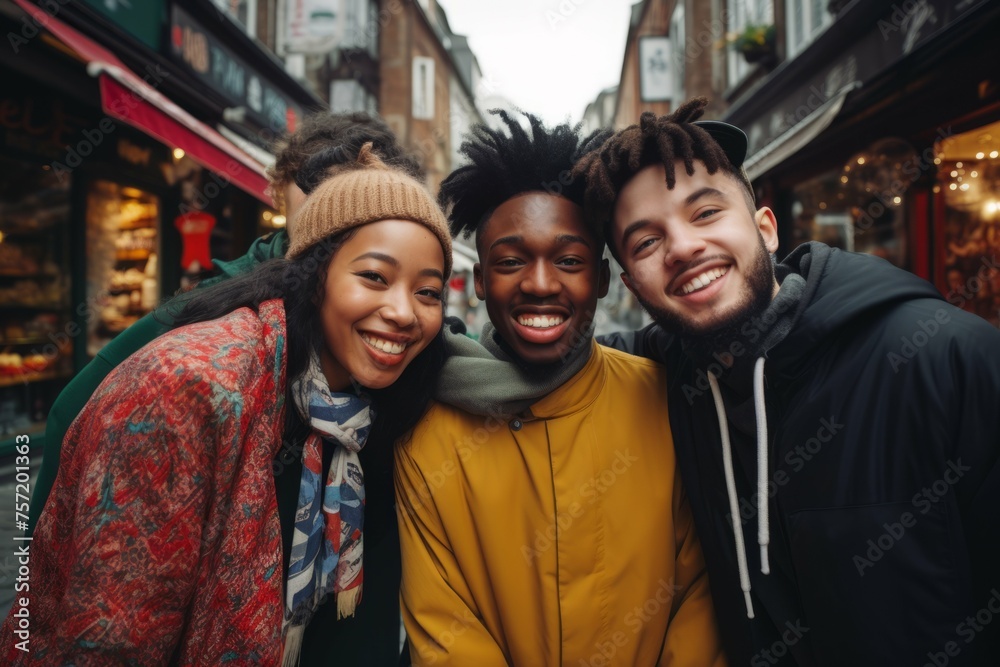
x=633 y=228
x=392 y=261
x=507 y=240
x=691 y=198
x=572 y=238
x=382 y=257
x=704 y=192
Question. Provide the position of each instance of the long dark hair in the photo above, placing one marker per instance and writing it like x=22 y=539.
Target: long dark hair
x=300 y=283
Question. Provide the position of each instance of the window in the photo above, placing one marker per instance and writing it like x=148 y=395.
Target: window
x=739 y=15
x=244 y=12
x=423 y=88
x=806 y=19
x=678 y=42
x=347 y=95
x=361 y=26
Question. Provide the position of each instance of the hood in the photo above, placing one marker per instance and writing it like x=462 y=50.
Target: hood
x=841 y=287
x=261 y=250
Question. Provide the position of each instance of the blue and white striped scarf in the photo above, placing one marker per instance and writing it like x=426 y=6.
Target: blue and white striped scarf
x=327 y=544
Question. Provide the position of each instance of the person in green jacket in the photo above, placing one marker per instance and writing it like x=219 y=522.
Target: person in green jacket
x=302 y=160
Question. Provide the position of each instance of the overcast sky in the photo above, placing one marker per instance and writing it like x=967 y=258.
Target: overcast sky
x=549 y=57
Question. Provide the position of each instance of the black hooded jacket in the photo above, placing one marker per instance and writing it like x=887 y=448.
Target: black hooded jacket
x=883 y=434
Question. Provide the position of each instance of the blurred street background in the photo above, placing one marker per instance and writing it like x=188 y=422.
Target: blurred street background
x=135 y=138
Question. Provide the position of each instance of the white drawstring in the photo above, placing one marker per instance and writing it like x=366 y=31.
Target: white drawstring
x=763 y=514
x=763 y=521
x=727 y=464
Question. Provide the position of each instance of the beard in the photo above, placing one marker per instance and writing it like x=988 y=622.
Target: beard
x=725 y=326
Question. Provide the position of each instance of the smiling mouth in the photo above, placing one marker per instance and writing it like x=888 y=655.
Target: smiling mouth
x=540 y=321
x=383 y=345
x=702 y=280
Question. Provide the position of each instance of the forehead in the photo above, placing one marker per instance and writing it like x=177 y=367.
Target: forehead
x=647 y=191
x=536 y=216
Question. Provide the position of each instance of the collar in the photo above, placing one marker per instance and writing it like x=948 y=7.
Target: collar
x=576 y=394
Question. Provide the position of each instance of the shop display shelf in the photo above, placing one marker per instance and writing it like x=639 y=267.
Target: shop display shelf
x=21 y=378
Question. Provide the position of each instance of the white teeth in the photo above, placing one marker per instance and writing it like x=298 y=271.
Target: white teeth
x=540 y=322
x=384 y=345
x=704 y=279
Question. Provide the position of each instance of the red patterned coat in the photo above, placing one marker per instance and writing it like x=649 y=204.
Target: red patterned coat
x=160 y=543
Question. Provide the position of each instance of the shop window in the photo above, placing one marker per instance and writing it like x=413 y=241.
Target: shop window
x=123 y=244
x=861 y=207
x=968 y=185
x=36 y=326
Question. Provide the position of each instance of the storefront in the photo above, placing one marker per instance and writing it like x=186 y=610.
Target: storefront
x=884 y=145
x=112 y=198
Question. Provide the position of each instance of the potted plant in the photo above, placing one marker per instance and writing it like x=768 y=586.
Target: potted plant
x=755 y=42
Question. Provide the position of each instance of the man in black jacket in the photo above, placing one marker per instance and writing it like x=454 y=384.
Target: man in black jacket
x=836 y=421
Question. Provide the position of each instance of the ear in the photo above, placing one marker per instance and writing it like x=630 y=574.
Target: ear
x=604 y=279
x=767 y=225
x=628 y=283
x=477 y=281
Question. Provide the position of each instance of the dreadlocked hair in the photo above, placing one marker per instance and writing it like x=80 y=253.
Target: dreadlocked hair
x=503 y=164
x=655 y=140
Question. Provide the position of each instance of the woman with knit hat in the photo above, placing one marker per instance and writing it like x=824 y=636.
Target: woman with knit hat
x=162 y=542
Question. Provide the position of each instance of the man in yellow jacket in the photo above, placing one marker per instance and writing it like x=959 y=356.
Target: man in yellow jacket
x=542 y=519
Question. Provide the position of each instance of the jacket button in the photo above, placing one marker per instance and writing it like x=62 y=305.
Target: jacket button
x=515 y=424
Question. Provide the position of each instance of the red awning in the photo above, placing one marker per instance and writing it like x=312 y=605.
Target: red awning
x=134 y=100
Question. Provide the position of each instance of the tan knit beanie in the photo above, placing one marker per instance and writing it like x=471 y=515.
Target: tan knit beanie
x=367 y=191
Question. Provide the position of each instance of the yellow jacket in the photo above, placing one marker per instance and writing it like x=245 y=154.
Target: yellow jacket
x=563 y=538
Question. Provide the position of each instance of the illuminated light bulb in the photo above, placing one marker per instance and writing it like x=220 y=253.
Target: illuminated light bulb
x=954 y=173
x=937 y=160
x=897 y=200
x=843 y=179
x=964 y=187
x=974 y=174
x=953 y=186
x=861 y=160
x=178 y=153
x=278 y=220
x=937 y=188
x=993 y=154
x=267 y=215
x=958 y=164
x=980 y=155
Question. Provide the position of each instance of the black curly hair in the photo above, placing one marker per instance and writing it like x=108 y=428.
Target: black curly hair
x=607 y=167
x=504 y=164
x=325 y=140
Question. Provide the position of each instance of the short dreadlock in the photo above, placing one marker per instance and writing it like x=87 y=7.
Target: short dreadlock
x=504 y=164
x=655 y=140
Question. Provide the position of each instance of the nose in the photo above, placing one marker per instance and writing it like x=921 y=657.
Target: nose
x=684 y=243
x=541 y=280
x=398 y=308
